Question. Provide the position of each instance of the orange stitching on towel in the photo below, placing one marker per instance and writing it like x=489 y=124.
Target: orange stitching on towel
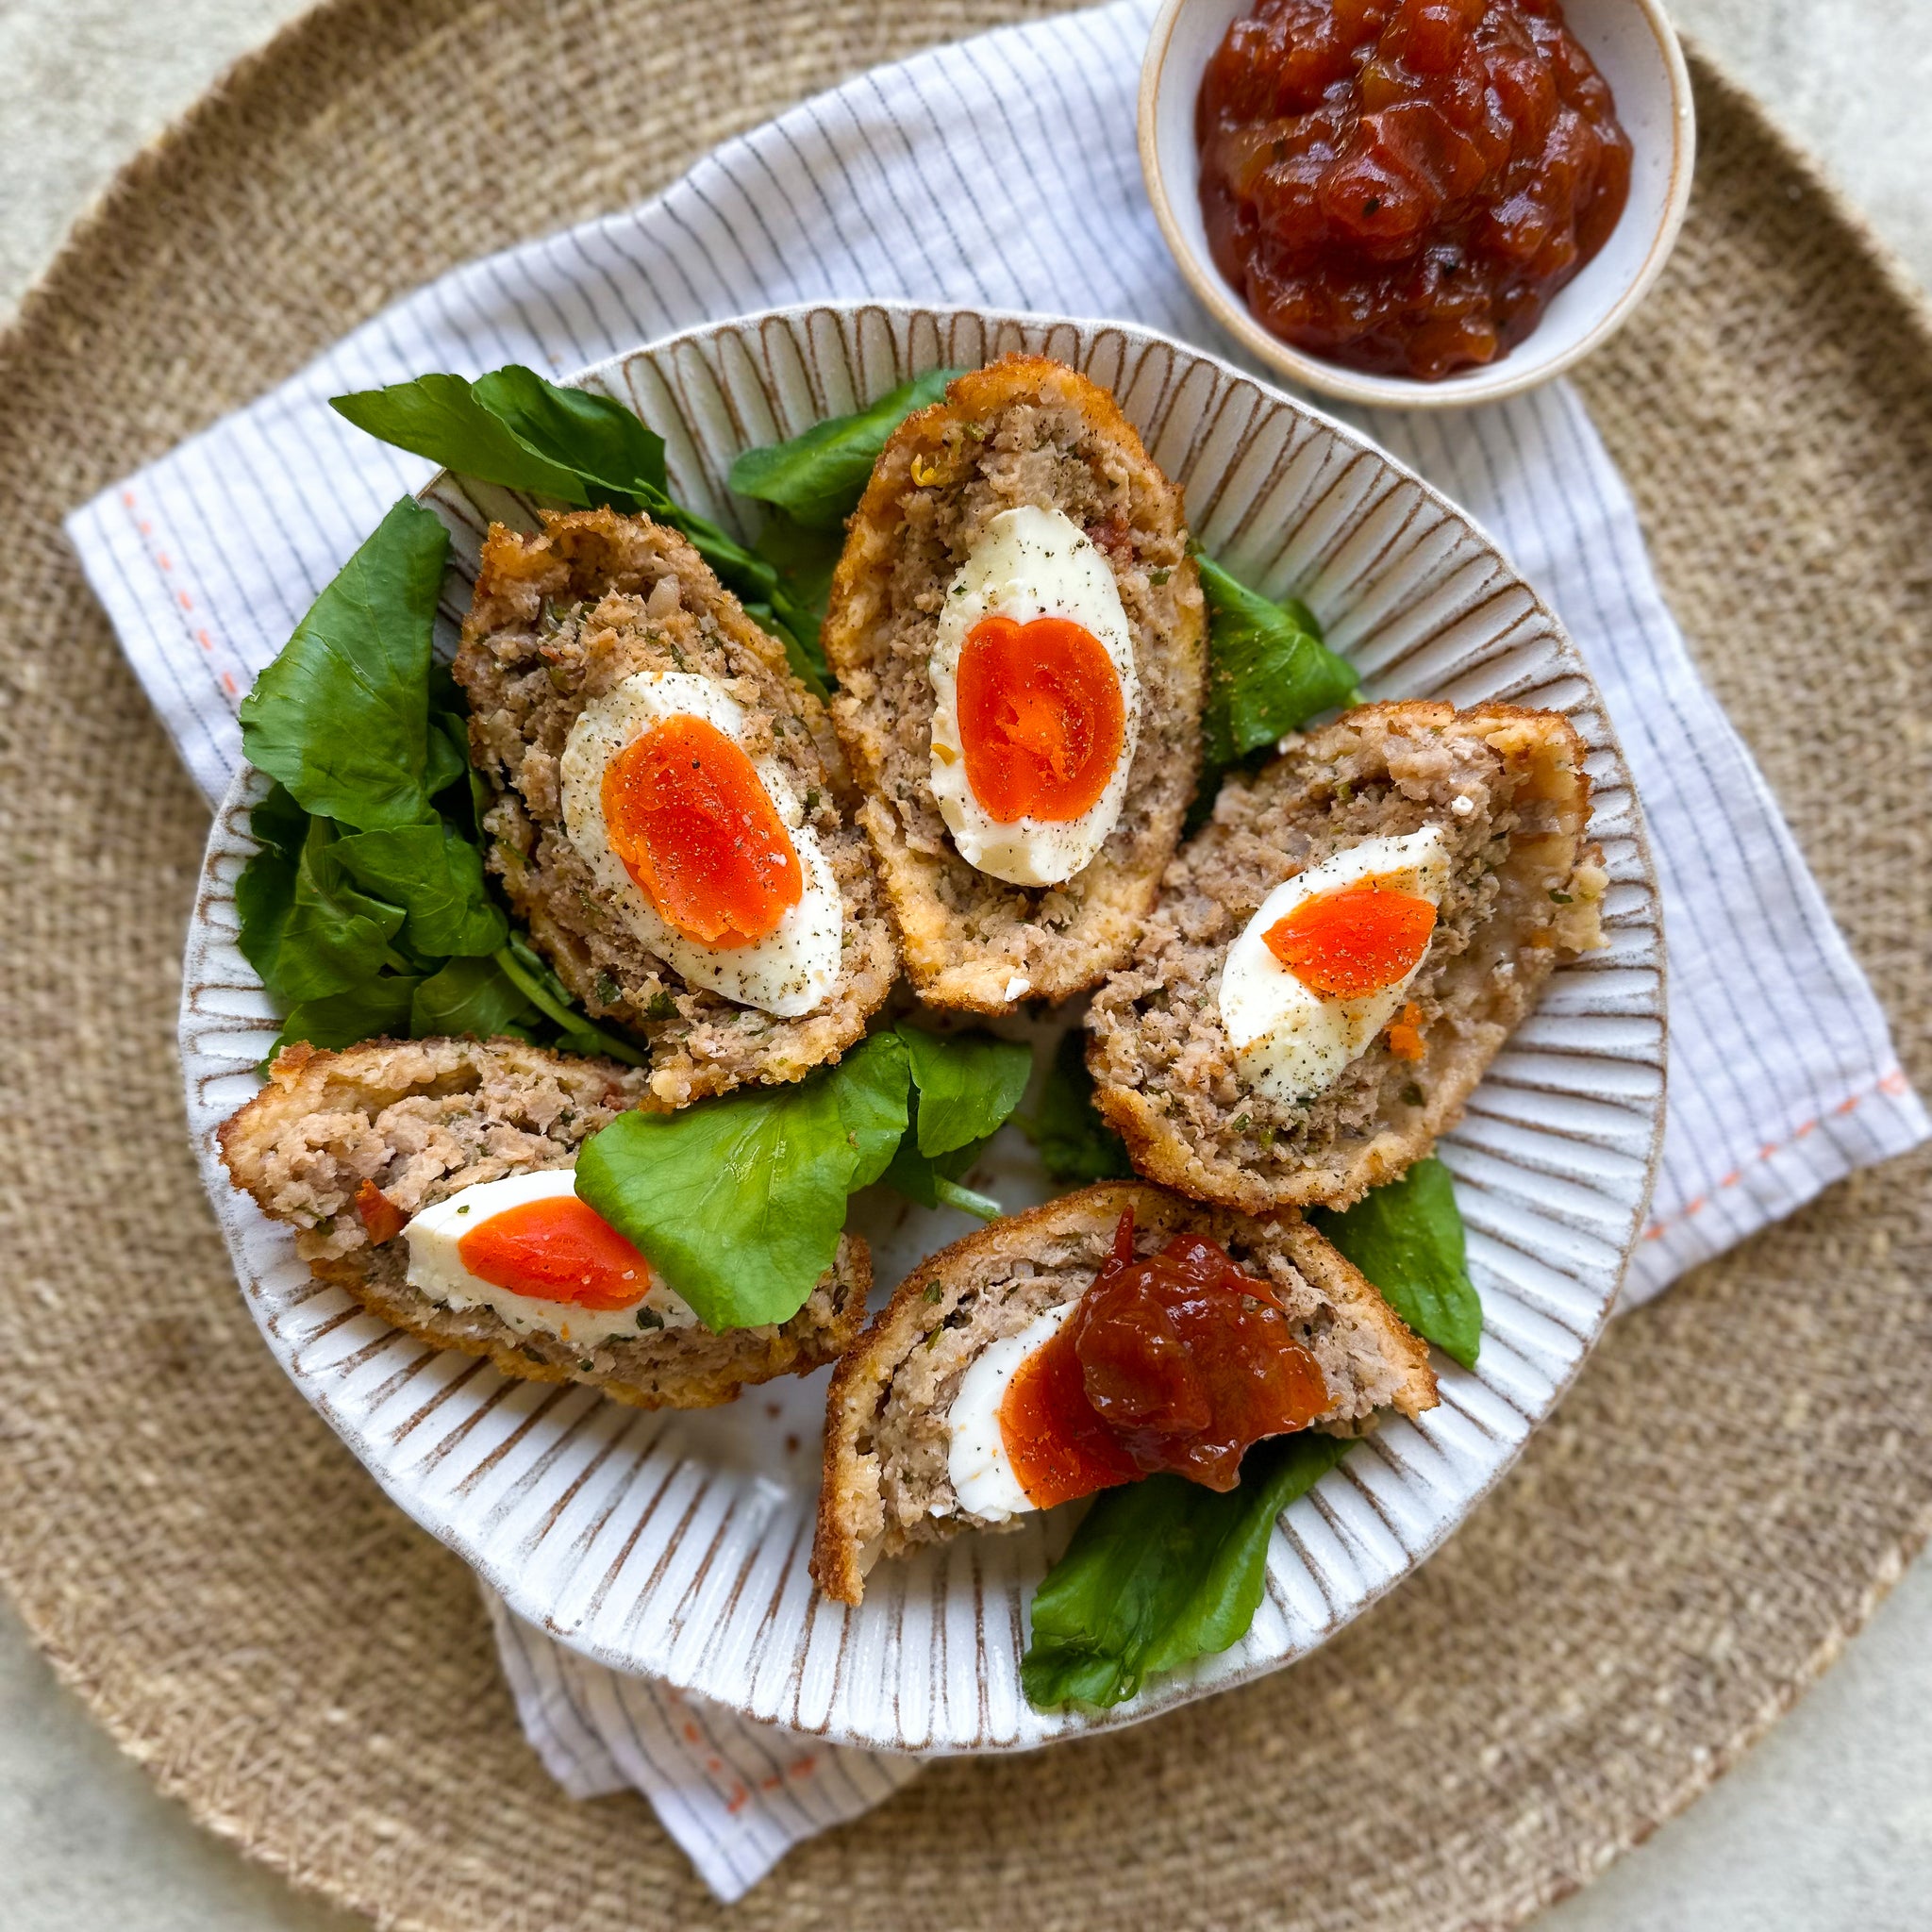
x=166 y=563
x=1892 y=1083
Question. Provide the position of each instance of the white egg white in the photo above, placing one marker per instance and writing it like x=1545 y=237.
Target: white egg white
x=1290 y=1043
x=1030 y=563
x=790 y=970
x=976 y=1460
x=436 y=1266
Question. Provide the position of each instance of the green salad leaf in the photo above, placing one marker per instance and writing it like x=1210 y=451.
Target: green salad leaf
x=804 y=560
x=436 y=875
x=440 y=417
x=817 y=477
x=366 y=912
x=965 y=1086
x=933 y=1180
x=524 y=968
x=342 y=715
x=308 y=929
x=1408 y=1238
x=739 y=1201
x=470 y=995
x=1076 y=1146
x=1268 y=673
x=280 y=823
x=515 y=428
x=1162 y=1572
x=369 y=1011
x=605 y=445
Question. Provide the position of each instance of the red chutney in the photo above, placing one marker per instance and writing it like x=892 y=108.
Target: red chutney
x=1177 y=1362
x=1402 y=185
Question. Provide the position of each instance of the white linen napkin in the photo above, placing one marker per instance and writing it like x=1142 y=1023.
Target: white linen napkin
x=1002 y=172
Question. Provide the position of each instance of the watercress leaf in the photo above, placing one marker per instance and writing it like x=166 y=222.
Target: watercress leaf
x=280 y=822
x=375 y=1008
x=436 y=875
x=469 y=996
x=967 y=1084
x=440 y=417
x=1073 y=1144
x=263 y=895
x=1269 y=671
x=804 y=560
x=609 y=448
x=1161 y=1571
x=333 y=935
x=819 y=477
x=873 y=1102
x=798 y=631
x=932 y=1181
x=342 y=716
x=739 y=1202
x=447 y=758
x=513 y=427
x=1408 y=1238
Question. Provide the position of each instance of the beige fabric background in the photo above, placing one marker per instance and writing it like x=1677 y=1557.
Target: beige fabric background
x=1829 y=1824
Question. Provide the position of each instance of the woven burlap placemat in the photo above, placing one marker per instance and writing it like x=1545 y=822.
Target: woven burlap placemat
x=1741 y=1472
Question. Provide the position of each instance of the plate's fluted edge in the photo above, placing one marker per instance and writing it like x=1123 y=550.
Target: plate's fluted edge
x=1341 y=1548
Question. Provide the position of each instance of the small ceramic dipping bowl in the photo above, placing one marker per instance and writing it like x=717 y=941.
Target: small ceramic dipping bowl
x=1637 y=52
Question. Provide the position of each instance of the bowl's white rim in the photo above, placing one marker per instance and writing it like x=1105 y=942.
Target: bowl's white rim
x=1501 y=378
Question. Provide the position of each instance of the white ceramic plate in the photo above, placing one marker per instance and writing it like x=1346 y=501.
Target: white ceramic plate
x=677 y=1544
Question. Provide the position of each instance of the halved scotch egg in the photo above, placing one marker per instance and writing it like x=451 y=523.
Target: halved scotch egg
x=668 y=806
x=1020 y=641
x=1340 y=952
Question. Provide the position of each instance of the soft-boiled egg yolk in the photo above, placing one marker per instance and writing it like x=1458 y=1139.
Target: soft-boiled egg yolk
x=703 y=850
x=1323 y=966
x=699 y=834
x=1040 y=723
x=1036 y=700
x=527 y=1247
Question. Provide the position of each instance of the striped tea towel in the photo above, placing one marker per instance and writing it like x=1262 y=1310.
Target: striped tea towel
x=1002 y=172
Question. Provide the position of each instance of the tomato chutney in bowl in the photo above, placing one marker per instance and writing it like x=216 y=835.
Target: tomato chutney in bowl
x=1417 y=201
